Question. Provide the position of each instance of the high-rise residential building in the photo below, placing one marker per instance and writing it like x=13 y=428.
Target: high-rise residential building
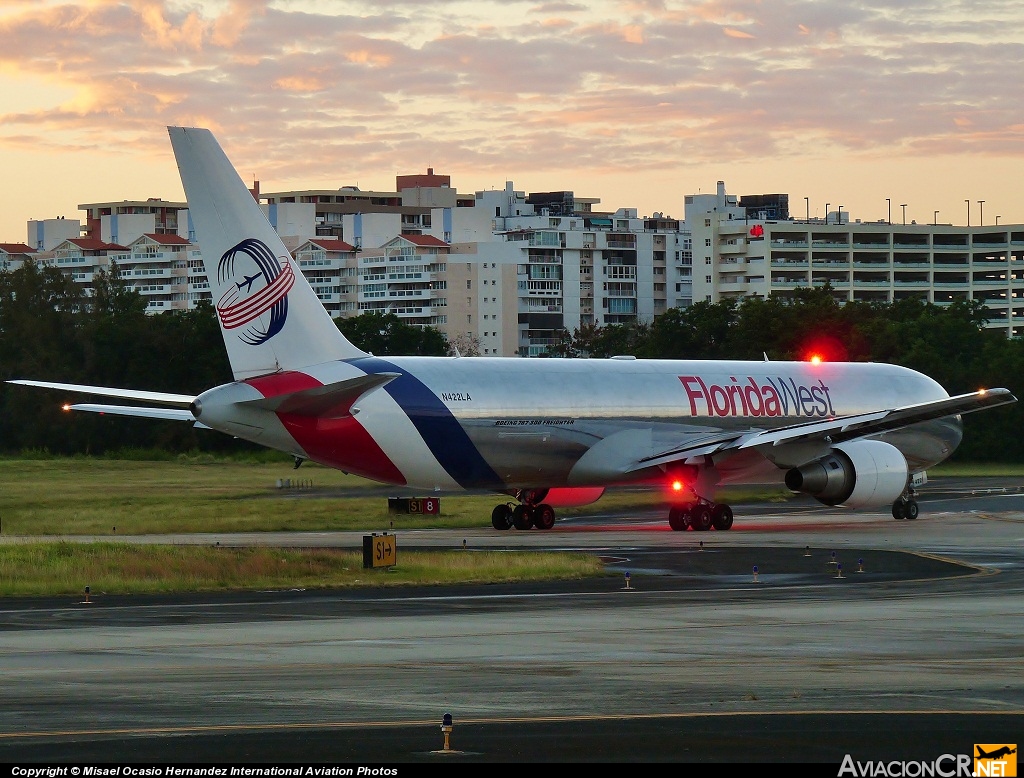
x=877 y=261
x=124 y=221
x=47 y=234
x=505 y=272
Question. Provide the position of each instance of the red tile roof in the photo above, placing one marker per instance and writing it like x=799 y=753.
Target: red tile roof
x=16 y=248
x=332 y=244
x=424 y=240
x=167 y=240
x=95 y=244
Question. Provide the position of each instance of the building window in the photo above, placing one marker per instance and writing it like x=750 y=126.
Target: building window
x=707 y=279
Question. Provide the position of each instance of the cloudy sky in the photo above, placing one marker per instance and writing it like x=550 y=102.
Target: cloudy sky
x=635 y=102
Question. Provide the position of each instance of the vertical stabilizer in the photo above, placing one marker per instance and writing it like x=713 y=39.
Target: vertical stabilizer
x=269 y=316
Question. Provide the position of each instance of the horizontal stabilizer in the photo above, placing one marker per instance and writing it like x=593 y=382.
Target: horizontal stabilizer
x=328 y=401
x=160 y=398
x=171 y=414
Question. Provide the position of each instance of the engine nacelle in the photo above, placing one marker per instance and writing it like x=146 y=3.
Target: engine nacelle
x=859 y=474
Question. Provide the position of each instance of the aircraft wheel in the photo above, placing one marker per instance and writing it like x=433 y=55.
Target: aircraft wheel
x=544 y=516
x=899 y=510
x=910 y=510
x=522 y=517
x=700 y=518
x=721 y=517
x=501 y=517
x=678 y=519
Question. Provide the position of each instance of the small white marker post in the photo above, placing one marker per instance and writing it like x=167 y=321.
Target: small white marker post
x=701 y=546
x=807 y=550
x=839 y=570
x=833 y=558
x=755 y=573
x=860 y=565
x=627 y=582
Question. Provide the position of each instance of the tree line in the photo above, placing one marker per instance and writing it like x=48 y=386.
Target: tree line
x=51 y=330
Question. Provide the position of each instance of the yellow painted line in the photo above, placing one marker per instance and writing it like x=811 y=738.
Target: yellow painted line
x=201 y=729
x=979 y=569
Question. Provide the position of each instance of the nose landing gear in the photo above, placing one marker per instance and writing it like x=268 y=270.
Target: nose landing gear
x=906 y=506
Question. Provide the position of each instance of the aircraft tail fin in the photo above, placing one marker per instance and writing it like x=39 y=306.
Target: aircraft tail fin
x=269 y=316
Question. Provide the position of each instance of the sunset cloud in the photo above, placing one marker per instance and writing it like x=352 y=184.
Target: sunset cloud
x=516 y=87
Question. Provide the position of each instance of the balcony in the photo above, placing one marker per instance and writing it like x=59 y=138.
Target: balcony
x=990 y=263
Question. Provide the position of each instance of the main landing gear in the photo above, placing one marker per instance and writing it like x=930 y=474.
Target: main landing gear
x=531 y=512
x=701 y=516
x=906 y=506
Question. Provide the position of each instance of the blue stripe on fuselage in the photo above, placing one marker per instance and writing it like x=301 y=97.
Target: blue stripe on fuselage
x=440 y=430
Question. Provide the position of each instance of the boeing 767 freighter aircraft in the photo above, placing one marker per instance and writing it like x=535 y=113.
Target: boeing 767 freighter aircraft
x=547 y=432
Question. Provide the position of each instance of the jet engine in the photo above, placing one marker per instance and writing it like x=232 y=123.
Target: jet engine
x=858 y=474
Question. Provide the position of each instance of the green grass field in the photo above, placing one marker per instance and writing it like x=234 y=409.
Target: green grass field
x=84 y=496
x=60 y=568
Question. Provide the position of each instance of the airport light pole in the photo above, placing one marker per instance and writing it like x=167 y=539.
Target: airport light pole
x=807 y=202
x=839 y=216
x=968 y=212
x=904 y=207
x=935 y=219
x=826 y=212
x=888 y=210
x=981 y=213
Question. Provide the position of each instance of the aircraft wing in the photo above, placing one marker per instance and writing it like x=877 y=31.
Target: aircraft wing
x=836 y=430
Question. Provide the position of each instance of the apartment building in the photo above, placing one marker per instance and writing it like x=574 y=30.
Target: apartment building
x=738 y=256
x=124 y=221
x=504 y=272
x=83 y=258
x=329 y=264
x=47 y=234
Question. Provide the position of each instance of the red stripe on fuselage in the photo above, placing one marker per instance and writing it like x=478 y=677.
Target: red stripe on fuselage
x=283 y=383
x=341 y=443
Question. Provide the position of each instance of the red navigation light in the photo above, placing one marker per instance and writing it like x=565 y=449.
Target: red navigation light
x=65 y=407
x=815 y=359
x=677 y=485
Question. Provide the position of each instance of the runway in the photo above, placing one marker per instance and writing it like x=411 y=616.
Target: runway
x=919 y=655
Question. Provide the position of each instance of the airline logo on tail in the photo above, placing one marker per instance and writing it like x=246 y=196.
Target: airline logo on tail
x=257 y=283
